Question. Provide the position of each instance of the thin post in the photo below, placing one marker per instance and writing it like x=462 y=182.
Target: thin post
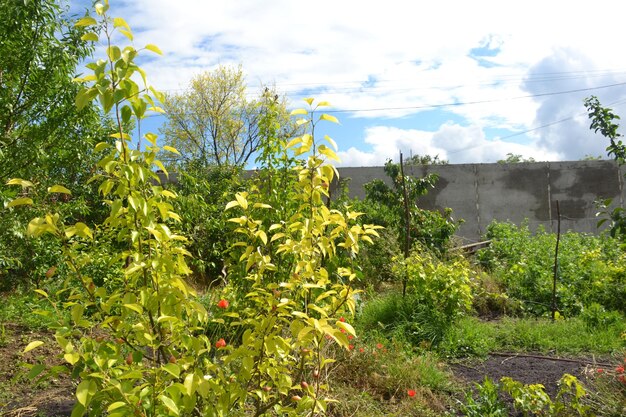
x=407 y=224
x=556 y=260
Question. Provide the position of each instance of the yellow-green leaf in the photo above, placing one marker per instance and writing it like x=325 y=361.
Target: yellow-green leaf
x=85 y=390
x=329 y=153
x=170 y=149
x=135 y=307
x=22 y=201
x=172 y=369
x=127 y=33
x=19 y=181
x=154 y=48
x=86 y=21
x=169 y=404
x=242 y=201
x=331 y=141
x=231 y=204
x=71 y=357
x=309 y=100
x=116 y=405
x=59 y=189
x=41 y=292
x=90 y=37
x=32 y=345
x=83 y=230
x=102 y=145
x=298 y=111
x=329 y=118
x=120 y=22
x=293 y=142
x=261 y=235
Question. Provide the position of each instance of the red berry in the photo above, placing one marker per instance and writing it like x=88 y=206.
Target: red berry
x=129 y=359
x=304 y=385
x=223 y=304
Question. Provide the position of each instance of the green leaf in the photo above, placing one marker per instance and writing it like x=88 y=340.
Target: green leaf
x=32 y=345
x=36 y=370
x=22 y=201
x=231 y=204
x=169 y=404
x=59 y=189
x=90 y=37
x=86 y=21
x=154 y=48
x=85 y=96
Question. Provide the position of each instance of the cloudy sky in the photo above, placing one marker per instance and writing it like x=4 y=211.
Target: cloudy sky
x=469 y=81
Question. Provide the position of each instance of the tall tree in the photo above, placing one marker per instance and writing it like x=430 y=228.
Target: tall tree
x=41 y=131
x=213 y=122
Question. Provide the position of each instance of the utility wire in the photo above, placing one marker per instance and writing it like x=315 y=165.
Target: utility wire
x=460 y=103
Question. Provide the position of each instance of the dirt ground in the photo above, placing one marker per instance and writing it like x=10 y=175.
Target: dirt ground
x=54 y=397
x=529 y=369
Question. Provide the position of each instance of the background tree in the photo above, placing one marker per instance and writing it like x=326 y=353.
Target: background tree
x=604 y=120
x=43 y=136
x=41 y=131
x=213 y=122
x=515 y=159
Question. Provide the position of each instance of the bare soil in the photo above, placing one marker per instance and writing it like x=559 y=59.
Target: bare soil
x=529 y=369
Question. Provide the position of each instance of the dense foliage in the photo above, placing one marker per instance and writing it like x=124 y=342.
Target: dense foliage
x=44 y=137
x=591 y=269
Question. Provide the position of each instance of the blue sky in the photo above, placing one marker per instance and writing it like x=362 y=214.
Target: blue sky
x=468 y=81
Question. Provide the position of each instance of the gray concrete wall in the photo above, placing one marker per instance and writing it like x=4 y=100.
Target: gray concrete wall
x=481 y=193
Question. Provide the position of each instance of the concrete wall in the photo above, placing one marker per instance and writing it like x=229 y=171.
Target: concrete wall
x=480 y=193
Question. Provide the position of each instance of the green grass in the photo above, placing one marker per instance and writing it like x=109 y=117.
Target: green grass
x=19 y=308
x=471 y=336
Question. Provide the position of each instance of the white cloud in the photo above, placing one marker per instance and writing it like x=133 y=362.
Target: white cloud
x=458 y=144
x=399 y=58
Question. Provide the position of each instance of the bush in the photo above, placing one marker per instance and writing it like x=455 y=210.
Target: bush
x=591 y=269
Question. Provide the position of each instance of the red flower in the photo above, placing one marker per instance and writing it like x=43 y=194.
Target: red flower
x=220 y=343
x=622 y=379
x=341 y=319
x=411 y=393
x=361 y=350
x=350 y=337
x=350 y=347
x=619 y=369
x=379 y=345
x=599 y=370
x=223 y=304
x=342 y=330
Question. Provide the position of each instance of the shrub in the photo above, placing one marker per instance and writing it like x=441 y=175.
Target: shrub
x=590 y=269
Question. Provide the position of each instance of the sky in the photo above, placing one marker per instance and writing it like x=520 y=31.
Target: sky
x=469 y=81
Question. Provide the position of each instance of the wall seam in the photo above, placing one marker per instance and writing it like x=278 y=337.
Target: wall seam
x=477 y=200
x=549 y=198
